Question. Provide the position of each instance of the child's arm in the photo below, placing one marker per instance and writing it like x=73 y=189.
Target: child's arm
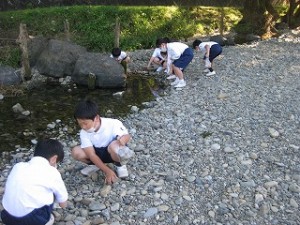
x=63 y=204
x=110 y=175
x=150 y=61
x=207 y=48
x=124 y=139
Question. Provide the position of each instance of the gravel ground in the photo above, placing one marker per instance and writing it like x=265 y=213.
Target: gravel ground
x=222 y=150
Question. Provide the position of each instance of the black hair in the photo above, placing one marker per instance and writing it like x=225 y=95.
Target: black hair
x=160 y=41
x=196 y=43
x=47 y=148
x=86 y=109
x=116 y=52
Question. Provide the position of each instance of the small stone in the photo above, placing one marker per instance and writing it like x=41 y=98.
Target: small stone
x=270 y=184
x=294 y=188
x=150 y=212
x=253 y=156
x=215 y=146
x=293 y=203
x=228 y=150
x=274 y=133
x=105 y=190
x=211 y=213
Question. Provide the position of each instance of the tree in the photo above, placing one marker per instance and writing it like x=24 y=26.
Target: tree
x=260 y=17
x=292 y=17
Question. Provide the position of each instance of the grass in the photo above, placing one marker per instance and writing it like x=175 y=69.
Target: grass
x=93 y=26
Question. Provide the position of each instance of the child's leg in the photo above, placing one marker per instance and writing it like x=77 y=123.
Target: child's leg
x=113 y=150
x=180 y=64
x=157 y=61
x=79 y=155
x=124 y=64
x=178 y=72
x=215 y=51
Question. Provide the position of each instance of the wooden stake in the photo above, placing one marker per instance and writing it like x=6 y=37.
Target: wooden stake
x=23 y=40
x=67 y=30
x=117 y=33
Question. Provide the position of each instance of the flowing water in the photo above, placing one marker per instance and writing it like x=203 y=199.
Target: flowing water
x=52 y=103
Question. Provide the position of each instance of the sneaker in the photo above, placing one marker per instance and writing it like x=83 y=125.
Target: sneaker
x=172 y=76
x=166 y=70
x=122 y=171
x=180 y=84
x=211 y=73
x=125 y=154
x=175 y=81
x=206 y=70
x=89 y=170
x=51 y=220
x=159 y=69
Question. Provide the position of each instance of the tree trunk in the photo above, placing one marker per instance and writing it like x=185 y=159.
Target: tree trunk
x=222 y=21
x=258 y=18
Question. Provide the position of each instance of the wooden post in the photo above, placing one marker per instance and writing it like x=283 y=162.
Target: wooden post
x=91 y=81
x=222 y=22
x=23 y=40
x=67 y=30
x=117 y=33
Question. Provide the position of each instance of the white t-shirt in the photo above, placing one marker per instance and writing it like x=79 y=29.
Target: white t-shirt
x=109 y=129
x=156 y=53
x=175 y=50
x=122 y=56
x=32 y=185
x=203 y=44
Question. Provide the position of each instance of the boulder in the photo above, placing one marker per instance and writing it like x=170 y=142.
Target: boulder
x=35 y=47
x=9 y=76
x=58 y=58
x=109 y=73
x=219 y=39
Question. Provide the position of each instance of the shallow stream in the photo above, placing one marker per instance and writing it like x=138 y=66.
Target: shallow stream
x=52 y=103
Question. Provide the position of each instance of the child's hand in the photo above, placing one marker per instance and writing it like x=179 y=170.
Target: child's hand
x=110 y=177
x=207 y=63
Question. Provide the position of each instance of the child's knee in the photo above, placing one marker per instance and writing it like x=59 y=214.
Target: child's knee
x=76 y=152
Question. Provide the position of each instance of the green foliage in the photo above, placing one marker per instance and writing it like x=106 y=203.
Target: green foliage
x=10 y=56
x=93 y=26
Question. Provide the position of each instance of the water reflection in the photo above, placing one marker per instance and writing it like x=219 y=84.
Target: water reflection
x=57 y=103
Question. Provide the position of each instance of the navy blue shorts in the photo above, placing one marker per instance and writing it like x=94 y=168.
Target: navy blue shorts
x=214 y=51
x=184 y=59
x=37 y=217
x=103 y=154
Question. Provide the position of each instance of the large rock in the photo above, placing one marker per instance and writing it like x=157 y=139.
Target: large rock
x=109 y=73
x=36 y=46
x=9 y=76
x=219 y=39
x=59 y=58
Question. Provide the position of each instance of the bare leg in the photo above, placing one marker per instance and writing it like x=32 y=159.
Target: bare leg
x=178 y=72
x=78 y=154
x=113 y=151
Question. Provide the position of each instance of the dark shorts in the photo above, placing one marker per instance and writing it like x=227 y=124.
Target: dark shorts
x=37 y=217
x=184 y=59
x=214 y=51
x=103 y=154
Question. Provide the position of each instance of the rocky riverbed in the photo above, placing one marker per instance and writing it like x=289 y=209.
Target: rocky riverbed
x=223 y=150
